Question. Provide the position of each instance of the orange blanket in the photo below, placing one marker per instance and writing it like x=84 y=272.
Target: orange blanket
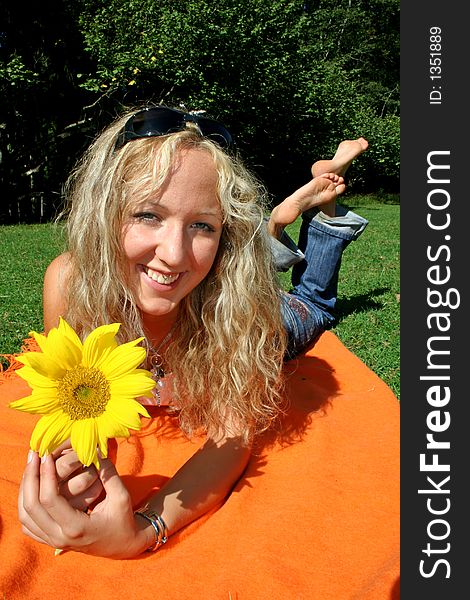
x=315 y=515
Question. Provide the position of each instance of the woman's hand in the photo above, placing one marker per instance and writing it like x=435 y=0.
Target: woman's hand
x=49 y=517
x=80 y=485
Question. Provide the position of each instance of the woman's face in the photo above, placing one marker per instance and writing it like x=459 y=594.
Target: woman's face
x=171 y=241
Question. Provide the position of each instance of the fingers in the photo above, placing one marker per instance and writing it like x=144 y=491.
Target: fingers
x=109 y=477
x=44 y=513
x=56 y=506
x=66 y=464
x=73 y=478
x=78 y=484
x=116 y=492
x=34 y=518
x=81 y=495
x=62 y=448
x=35 y=537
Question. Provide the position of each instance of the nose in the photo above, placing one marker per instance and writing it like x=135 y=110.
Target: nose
x=172 y=246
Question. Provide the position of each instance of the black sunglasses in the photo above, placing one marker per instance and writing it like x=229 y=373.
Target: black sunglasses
x=161 y=120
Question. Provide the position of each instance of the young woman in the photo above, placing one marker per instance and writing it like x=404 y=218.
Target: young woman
x=167 y=236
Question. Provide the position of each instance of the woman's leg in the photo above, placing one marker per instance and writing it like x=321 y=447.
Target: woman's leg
x=326 y=231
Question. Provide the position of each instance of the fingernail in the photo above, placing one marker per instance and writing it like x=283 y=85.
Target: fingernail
x=43 y=457
x=30 y=457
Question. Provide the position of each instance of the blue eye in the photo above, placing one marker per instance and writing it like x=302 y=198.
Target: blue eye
x=146 y=216
x=203 y=227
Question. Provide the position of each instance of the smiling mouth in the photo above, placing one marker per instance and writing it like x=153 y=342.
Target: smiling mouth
x=161 y=277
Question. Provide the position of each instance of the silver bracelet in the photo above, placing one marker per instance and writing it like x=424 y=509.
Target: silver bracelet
x=158 y=524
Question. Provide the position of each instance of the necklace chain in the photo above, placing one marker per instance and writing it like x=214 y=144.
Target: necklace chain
x=156 y=363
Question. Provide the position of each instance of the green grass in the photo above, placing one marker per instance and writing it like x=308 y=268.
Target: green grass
x=25 y=252
x=368 y=308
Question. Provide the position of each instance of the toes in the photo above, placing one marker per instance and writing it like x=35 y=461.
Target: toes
x=363 y=142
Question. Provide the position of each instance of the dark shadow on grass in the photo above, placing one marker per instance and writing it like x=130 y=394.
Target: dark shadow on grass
x=359 y=303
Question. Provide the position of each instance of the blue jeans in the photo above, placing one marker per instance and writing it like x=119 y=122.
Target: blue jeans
x=308 y=308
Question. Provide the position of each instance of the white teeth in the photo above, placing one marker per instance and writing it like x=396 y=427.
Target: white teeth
x=161 y=278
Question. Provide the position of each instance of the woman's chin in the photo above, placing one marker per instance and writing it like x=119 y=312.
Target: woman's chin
x=160 y=310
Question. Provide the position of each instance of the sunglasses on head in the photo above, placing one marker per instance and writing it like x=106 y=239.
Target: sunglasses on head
x=161 y=120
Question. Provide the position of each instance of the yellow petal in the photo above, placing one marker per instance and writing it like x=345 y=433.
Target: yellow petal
x=84 y=440
x=109 y=428
x=126 y=412
x=103 y=447
x=55 y=436
x=69 y=332
x=64 y=347
x=99 y=344
x=41 y=401
x=48 y=429
x=41 y=340
x=126 y=405
x=122 y=360
x=129 y=406
x=35 y=380
x=43 y=364
x=133 y=385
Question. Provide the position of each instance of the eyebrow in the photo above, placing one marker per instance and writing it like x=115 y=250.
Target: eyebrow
x=216 y=213
x=210 y=213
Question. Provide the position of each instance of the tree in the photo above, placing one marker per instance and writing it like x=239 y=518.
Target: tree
x=288 y=77
x=39 y=99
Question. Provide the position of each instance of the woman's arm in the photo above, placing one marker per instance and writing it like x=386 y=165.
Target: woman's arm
x=201 y=483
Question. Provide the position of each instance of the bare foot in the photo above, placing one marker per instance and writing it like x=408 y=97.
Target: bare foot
x=346 y=152
x=320 y=191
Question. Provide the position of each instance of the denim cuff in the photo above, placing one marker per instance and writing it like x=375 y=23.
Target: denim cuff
x=345 y=223
x=285 y=252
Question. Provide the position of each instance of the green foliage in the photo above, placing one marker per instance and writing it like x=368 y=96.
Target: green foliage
x=290 y=78
x=15 y=72
x=38 y=97
x=381 y=162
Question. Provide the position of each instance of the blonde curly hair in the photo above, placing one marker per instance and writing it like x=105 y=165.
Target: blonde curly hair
x=227 y=349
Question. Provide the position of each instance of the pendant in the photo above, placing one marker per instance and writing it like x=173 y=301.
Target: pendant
x=156 y=392
x=157 y=370
x=157 y=373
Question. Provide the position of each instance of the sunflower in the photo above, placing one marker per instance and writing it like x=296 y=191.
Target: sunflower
x=86 y=392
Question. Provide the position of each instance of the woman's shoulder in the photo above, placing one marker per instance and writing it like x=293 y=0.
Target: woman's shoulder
x=62 y=261
x=58 y=269
x=55 y=290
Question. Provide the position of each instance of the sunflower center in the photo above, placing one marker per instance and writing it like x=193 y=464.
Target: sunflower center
x=83 y=393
